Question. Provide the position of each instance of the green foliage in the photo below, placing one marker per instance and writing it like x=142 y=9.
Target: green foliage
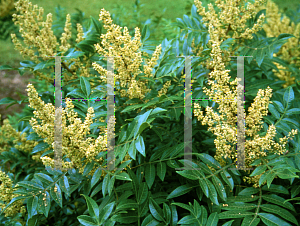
x=153 y=191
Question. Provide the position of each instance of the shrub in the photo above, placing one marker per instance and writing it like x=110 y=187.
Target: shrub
x=147 y=188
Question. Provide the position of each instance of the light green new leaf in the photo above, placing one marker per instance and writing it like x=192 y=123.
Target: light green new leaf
x=92 y=207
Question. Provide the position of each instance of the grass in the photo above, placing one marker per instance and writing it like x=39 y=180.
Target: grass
x=174 y=9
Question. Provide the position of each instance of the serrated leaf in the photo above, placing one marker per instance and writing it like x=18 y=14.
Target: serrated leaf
x=85 y=86
x=204 y=187
x=44 y=178
x=30 y=185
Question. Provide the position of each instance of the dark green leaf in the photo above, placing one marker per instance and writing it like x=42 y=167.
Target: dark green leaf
x=87 y=220
x=155 y=210
x=150 y=174
x=140 y=145
x=213 y=220
x=270 y=219
x=181 y=190
x=161 y=170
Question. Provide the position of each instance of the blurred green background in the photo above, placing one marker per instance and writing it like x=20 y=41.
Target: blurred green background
x=151 y=9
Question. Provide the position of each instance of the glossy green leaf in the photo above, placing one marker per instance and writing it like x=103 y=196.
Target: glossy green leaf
x=140 y=145
x=204 y=187
x=40 y=147
x=259 y=170
x=279 y=211
x=161 y=170
x=155 y=210
x=32 y=204
x=56 y=196
x=105 y=184
x=87 y=220
x=106 y=212
x=85 y=86
x=273 y=111
x=149 y=174
x=92 y=207
x=212 y=220
x=143 y=193
x=96 y=176
x=270 y=219
x=288 y=97
x=181 y=190
x=111 y=184
x=132 y=150
x=278 y=201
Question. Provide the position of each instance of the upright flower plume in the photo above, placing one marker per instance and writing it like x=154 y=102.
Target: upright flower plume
x=128 y=66
x=75 y=145
x=223 y=123
x=290 y=51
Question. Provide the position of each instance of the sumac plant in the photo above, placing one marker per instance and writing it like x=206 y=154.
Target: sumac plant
x=150 y=184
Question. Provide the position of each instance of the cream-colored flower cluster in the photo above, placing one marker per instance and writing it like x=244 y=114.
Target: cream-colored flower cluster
x=223 y=124
x=6 y=195
x=75 y=145
x=128 y=65
x=230 y=22
x=290 y=51
x=39 y=37
x=5 y=7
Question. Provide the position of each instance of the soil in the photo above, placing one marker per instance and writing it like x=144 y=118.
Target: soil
x=12 y=84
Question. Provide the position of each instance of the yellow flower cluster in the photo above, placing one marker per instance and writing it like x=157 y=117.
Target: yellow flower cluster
x=128 y=65
x=164 y=88
x=230 y=22
x=5 y=7
x=290 y=51
x=75 y=145
x=39 y=37
x=7 y=132
x=223 y=124
x=6 y=195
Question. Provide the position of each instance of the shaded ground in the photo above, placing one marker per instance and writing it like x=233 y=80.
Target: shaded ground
x=13 y=84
